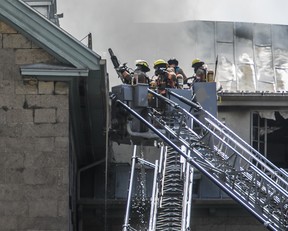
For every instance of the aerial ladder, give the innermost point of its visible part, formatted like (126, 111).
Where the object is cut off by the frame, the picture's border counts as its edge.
(218, 153)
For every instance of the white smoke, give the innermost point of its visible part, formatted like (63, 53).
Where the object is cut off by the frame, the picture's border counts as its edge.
(137, 29)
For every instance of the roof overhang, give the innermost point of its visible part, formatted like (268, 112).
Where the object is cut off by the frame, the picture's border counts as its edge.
(265, 99)
(47, 35)
(52, 72)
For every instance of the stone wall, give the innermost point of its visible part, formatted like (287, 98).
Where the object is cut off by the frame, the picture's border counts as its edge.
(34, 142)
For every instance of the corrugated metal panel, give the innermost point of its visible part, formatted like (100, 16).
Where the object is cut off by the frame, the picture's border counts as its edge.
(251, 57)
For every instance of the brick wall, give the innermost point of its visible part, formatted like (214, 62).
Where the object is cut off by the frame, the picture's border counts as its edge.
(33, 141)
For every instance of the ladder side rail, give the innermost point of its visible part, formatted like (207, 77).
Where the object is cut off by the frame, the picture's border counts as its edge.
(271, 170)
(236, 137)
(258, 172)
(249, 149)
(284, 172)
(246, 161)
(225, 187)
(279, 192)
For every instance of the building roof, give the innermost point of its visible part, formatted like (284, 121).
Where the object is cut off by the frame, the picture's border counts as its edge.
(48, 35)
(253, 99)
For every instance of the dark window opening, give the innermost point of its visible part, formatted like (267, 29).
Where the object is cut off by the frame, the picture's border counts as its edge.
(270, 137)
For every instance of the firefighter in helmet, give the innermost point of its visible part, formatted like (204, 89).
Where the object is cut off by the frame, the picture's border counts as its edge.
(140, 73)
(200, 70)
(180, 75)
(165, 78)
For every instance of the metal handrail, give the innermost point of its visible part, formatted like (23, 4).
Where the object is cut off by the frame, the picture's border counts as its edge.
(248, 149)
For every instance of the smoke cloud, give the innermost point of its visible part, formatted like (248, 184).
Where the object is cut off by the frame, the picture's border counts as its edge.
(150, 30)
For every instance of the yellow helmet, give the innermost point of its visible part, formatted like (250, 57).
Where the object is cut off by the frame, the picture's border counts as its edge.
(197, 62)
(143, 64)
(160, 63)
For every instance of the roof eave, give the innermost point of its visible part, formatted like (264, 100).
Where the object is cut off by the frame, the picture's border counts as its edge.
(253, 99)
(51, 73)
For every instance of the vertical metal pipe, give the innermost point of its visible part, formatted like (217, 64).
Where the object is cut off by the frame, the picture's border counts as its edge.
(185, 195)
(162, 173)
(191, 175)
(127, 214)
(153, 208)
(90, 41)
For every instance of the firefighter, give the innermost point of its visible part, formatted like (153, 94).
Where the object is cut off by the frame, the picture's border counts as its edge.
(180, 75)
(164, 78)
(140, 73)
(200, 70)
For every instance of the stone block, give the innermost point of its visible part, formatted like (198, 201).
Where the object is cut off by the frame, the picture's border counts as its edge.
(1, 38)
(15, 102)
(54, 159)
(62, 143)
(61, 88)
(8, 223)
(6, 29)
(27, 144)
(35, 158)
(44, 116)
(40, 176)
(14, 175)
(14, 208)
(14, 160)
(7, 87)
(2, 174)
(44, 144)
(63, 208)
(45, 88)
(7, 56)
(20, 116)
(63, 177)
(2, 210)
(8, 70)
(15, 41)
(11, 192)
(66, 176)
(45, 130)
(47, 101)
(34, 45)
(62, 115)
(3, 116)
(43, 208)
(10, 130)
(42, 223)
(28, 56)
(18, 144)
(26, 87)
(45, 192)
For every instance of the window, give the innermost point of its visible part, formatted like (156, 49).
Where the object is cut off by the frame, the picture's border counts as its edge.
(270, 136)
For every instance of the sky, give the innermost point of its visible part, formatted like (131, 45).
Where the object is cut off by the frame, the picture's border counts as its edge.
(119, 25)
